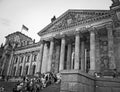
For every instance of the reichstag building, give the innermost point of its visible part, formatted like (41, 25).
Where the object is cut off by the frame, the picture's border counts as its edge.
(82, 45)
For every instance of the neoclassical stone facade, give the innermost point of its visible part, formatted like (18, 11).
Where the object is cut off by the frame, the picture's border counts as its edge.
(86, 40)
(78, 44)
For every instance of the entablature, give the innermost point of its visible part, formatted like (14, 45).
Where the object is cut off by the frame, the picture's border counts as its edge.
(73, 18)
(81, 28)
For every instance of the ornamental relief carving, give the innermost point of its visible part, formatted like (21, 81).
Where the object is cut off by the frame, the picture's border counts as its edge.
(104, 59)
(71, 19)
(116, 18)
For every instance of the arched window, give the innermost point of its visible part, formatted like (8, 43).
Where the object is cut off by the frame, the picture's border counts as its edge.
(14, 71)
(34, 67)
(20, 70)
(27, 70)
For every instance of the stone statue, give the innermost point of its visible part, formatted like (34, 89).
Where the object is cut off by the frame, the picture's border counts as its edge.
(115, 1)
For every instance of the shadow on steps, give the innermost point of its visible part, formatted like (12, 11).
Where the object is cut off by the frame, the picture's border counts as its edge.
(52, 88)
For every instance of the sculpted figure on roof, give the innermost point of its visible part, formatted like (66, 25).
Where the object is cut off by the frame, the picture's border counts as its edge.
(115, 1)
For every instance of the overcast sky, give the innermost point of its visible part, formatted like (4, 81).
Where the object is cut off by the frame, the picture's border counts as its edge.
(36, 14)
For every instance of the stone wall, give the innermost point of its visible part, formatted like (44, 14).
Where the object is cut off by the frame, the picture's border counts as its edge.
(107, 85)
(77, 81)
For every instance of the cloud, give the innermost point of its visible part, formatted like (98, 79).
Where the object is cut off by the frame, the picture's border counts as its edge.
(5, 22)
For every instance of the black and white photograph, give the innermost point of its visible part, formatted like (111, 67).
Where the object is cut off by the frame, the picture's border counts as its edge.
(59, 45)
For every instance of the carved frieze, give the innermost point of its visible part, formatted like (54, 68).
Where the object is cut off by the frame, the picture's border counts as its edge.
(116, 17)
(71, 19)
(74, 18)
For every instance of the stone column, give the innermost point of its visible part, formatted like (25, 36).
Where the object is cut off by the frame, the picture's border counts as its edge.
(69, 51)
(82, 56)
(92, 51)
(97, 53)
(40, 56)
(50, 54)
(10, 64)
(17, 67)
(112, 64)
(85, 60)
(57, 59)
(30, 66)
(45, 58)
(62, 54)
(23, 66)
(77, 51)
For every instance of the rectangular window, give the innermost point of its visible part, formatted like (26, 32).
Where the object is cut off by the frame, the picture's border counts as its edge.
(22, 59)
(16, 60)
(27, 59)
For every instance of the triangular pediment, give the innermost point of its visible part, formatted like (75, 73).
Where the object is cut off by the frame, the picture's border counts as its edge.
(72, 18)
(17, 37)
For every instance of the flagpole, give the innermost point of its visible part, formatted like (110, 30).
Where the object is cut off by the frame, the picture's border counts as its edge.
(21, 29)
(24, 28)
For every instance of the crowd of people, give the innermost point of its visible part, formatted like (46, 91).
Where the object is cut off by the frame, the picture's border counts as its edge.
(2, 89)
(38, 83)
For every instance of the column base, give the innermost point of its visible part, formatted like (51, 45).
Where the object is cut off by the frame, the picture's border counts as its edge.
(92, 72)
(109, 72)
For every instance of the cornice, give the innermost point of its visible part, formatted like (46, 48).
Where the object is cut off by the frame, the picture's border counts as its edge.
(92, 20)
(18, 33)
(26, 53)
(103, 14)
(28, 46)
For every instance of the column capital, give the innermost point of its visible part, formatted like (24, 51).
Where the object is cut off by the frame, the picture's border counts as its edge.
(41, 41)
(45, 42)
(93, 30)
(51, 39)
(109, 26)
(63, 36)
(77, 33)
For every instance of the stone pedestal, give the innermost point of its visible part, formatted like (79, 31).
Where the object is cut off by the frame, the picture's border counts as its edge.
(76, 81)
